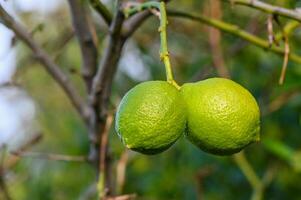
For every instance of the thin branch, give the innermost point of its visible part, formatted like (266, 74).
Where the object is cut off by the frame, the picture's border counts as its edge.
(88, 47)
(102, 11)
(103, 189)
(281, 100)
(250, 174)
(13, 159)
(235, 30)
(270, 29)
(247, 169)
(132, 24)
(268, 8)
(50, 156)
(120, 171)
(53, 69)
(123, 197)
(285, 60)
(62, 43)
(287, 29)
(111, 56)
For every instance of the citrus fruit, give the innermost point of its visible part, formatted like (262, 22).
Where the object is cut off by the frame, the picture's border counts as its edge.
(151, 117)
(222, 116)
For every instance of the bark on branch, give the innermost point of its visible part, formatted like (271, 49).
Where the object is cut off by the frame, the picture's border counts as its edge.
(102, 11)
(85, 38)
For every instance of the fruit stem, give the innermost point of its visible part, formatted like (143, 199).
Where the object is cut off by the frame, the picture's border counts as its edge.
(164, 54)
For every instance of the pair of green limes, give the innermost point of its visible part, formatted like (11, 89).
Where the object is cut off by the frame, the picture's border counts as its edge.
(217, 115)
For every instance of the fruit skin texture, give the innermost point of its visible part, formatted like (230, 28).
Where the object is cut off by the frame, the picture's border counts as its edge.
(222, 116)
(151, 117)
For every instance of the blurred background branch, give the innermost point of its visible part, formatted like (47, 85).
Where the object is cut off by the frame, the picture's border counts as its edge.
(235, 30)
(268, 8)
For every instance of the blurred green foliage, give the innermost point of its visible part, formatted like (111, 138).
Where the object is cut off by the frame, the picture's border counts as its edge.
(182, 172)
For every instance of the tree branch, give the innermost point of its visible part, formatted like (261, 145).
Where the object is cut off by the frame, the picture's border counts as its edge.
(102, 11)
(250, 174)
(102, 82)
(132, 24)
(108, 65)
(103, 182)
(53, 69)
(235, 30)
(84, 35)
(50, 156)
(123, 197)
(271, 9)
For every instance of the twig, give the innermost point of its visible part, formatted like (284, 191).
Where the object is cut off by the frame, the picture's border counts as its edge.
(132, 24)
(102, 184)
(88, 47)
(235, 30)
(285, 59)
(247, 169)
(271, 37)
(62, 43)
(287, 29)
(120, 171)
(123, 197)
(281, 100)
(53, 69)
(13, 159)
(271, 9)
(250, 174)
(50, 156)
(102, 11)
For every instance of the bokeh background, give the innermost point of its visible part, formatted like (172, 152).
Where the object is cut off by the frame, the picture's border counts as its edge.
(31, 103)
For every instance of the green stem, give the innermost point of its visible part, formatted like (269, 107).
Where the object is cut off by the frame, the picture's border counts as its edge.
(250, 174)
(102, 10)
(128, 12)
(164, 54)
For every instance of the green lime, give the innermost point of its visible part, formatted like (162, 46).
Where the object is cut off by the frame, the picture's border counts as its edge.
(222, 116)
(151, 117)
